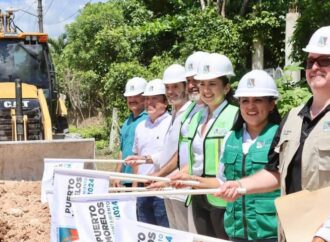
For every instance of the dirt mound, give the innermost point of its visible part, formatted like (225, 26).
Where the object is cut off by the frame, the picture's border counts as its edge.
(22, 216)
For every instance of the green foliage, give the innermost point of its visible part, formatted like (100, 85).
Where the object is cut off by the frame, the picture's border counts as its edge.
(99, 133)
(291, 94)
(314, 14)
(92, 131)
(111, 42)
(114, 85)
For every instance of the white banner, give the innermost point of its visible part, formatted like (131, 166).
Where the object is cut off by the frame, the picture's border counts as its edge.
(69, 182)
(143, 232)
(48, 175)
(95, 216)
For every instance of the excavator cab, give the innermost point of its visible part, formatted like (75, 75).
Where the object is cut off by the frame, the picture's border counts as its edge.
(30, 106)
(32, 112)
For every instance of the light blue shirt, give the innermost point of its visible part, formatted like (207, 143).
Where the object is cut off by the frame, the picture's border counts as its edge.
(127, 134)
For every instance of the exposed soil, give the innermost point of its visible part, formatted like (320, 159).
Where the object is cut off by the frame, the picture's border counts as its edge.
(22, 216)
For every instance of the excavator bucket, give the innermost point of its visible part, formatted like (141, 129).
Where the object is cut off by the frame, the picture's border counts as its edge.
(24, 160)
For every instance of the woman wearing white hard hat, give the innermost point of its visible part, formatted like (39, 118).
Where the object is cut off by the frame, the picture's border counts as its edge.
(252, 217)
(206, 132)
(245, 151)
(299, 157)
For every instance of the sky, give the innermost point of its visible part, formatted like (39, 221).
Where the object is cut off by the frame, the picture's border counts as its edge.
(57, 13)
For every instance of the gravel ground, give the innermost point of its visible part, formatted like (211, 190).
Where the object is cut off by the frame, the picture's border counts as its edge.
(22, 216)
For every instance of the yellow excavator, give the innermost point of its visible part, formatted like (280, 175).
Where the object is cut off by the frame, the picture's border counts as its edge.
(33, 115)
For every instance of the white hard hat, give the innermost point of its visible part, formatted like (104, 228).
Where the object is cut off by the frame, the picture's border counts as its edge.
(154, 87)
(174, 74)
(193, 62)
(256, 83)
(213, 66)
(135, 86)
(319, 42)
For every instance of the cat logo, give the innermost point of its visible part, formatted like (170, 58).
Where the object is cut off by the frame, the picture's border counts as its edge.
(322, 41)
(251, 83)
(131, 88)
(151, 88)
(190, 67)
(206, 69)
(12, 104)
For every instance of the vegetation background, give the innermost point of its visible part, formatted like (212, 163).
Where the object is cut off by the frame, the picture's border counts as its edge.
(111, 42)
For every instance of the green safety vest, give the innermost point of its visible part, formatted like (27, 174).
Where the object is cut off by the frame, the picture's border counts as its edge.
(252, 216)
(184, 139)
(212, 145)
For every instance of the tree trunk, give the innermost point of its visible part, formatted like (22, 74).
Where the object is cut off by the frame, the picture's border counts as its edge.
(223, 8)
(202, 4)
(244, 7)
(219, 2)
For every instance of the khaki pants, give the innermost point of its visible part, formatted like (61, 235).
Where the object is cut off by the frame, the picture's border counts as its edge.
(177, 214)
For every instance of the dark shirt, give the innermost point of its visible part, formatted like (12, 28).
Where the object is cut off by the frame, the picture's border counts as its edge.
(293, 179)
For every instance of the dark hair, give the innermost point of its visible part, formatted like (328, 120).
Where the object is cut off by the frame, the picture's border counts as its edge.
(230, 95)
(273, 117)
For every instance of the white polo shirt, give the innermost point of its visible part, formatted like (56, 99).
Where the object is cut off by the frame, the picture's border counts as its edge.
(198, 142)
(171, 142)
(149, 139)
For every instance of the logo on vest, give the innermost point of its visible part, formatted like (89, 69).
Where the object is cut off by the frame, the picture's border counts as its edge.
(286, 132)
(220, 132)
(326, 126)
(260, 144)
(251, 83)
(322, 41)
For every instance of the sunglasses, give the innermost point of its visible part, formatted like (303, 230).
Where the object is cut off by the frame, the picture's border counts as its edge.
(322, 61)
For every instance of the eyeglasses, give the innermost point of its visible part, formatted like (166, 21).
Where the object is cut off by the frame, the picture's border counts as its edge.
(322, 61)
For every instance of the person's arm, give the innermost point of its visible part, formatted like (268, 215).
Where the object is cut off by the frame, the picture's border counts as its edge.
(261, 182)
(323, 234)
(204, 182)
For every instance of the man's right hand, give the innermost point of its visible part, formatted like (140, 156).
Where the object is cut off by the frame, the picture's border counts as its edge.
(132, 160)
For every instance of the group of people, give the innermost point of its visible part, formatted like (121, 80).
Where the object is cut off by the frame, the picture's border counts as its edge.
(234, 141)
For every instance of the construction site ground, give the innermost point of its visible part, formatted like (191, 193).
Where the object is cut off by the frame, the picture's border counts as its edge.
(22, 216)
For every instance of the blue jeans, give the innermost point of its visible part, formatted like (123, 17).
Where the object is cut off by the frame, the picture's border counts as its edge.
(151, 210)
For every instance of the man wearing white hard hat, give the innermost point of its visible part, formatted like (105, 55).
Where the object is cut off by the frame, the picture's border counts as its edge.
(175, 206)
(135, 102)
(149, 140)
(301, 167)
(177, 96)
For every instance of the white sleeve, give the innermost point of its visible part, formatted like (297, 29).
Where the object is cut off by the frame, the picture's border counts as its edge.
(155, 158)
(221, 169)
(324, 231)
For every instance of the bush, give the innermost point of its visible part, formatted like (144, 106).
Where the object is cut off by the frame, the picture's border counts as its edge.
(99, 133)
